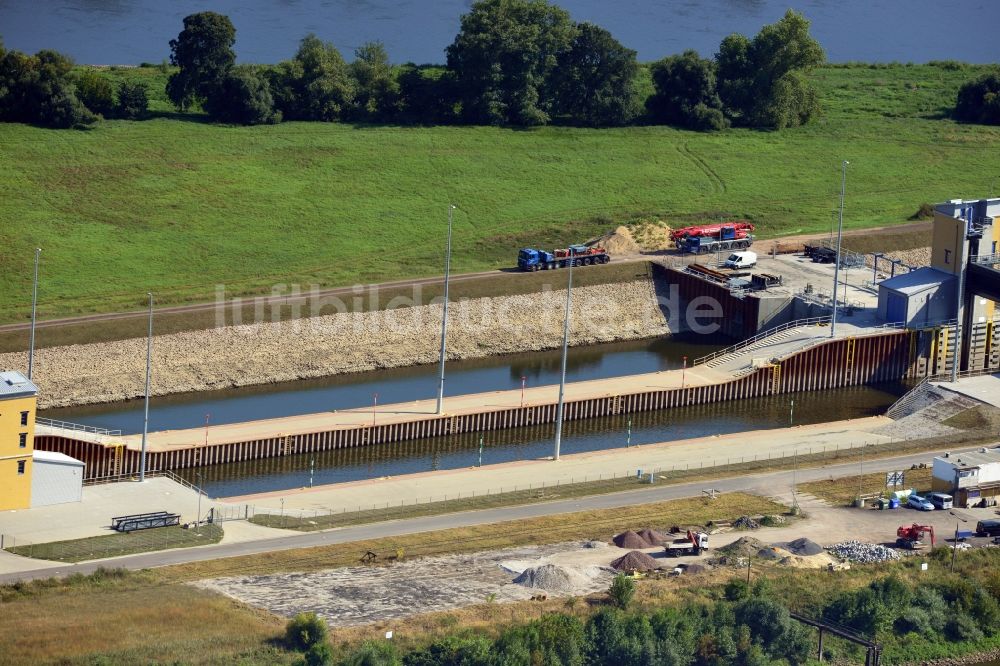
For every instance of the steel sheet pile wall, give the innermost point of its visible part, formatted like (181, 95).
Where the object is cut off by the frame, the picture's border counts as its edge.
(832, 364)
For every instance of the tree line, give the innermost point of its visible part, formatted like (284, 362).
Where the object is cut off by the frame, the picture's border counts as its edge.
(513, 63)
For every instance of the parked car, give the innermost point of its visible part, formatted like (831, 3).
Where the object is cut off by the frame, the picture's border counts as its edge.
(918, 502)
(940, 500)
(988, 528)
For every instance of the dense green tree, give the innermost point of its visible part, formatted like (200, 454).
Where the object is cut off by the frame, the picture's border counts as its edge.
(426, 95)
(979, 100)
(376, 91)
(685, 93)
(594, 82)
(453, 651)
(133, 100)
(204, 53)
(38, 89)
(96, 93)
(555, 639)
(243, 97)
(503, 57)
(761, 81)
(315, 84)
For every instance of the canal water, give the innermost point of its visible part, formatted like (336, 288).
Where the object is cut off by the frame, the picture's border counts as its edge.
(498, 373)
(134, 31)
(463, 450)
(489, 374)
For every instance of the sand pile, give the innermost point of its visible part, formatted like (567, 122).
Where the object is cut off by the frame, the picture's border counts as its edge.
(618, 242)
(630, 539)
(635, 561)
(652, 537)
(802, 547)
(553, 578)
(652, 237)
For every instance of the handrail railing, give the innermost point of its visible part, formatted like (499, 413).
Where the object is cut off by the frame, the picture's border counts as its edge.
(117, 478)
(911, 395)
(760, 336)
(77, 427)
(985, 258)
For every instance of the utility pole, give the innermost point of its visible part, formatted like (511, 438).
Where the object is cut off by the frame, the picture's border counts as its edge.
(565, 351)
(861, 475)
(444, 317)
(34, 314)
(145, 417)
(840, 238)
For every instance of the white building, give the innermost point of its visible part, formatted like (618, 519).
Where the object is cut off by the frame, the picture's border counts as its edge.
(56, 478)
(969, 477)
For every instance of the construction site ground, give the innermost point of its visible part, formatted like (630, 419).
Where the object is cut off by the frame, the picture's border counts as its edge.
(350, 596)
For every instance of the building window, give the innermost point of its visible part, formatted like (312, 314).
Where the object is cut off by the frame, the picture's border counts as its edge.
(23, 442)
(24, 418)
(20, 466)
(947, 256)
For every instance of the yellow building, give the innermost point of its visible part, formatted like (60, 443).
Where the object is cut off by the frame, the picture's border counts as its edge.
(17, 432)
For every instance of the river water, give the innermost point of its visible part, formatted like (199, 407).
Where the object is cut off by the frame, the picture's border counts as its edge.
(134, 31)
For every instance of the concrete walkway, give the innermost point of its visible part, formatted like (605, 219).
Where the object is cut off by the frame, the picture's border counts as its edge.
(985, 388)
(92, 516)
(691, 453)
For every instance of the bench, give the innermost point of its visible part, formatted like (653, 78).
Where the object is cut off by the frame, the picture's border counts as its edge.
(144, 521)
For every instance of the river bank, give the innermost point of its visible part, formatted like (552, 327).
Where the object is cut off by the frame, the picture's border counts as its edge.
(350, 342)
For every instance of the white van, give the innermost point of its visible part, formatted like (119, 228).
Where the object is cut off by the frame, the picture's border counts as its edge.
(940, 500)
(742, 260)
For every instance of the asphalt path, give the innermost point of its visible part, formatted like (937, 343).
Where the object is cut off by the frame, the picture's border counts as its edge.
(771, 483)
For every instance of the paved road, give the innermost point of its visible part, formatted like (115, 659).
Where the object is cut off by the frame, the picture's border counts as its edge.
(770, 484)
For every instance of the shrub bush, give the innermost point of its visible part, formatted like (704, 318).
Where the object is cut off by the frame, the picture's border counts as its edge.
(304, 631)
(621, 591)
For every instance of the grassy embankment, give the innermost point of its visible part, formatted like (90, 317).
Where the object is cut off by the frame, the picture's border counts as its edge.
(117, 545)
(176, 206)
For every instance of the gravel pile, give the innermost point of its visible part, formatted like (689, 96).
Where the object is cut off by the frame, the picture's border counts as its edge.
(630, 539)
(635, 561)
(743, 547)
(653, 537)
(617, 242)
(863, 553)
(745, 523)
(265, 353)
(918, 256)
(802, 547)
(553, 578)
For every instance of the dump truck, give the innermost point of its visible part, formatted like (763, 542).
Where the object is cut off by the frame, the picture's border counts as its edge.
(726, 238)
(531, 259)
(692, 544)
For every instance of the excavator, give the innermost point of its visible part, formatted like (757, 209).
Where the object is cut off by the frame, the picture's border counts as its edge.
(909, 536)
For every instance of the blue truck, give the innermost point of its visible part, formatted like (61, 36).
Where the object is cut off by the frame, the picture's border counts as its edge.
(727, 238)
(530, 259)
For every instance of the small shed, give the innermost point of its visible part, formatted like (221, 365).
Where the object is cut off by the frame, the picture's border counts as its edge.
(56, 478)
(918, 298)
(969, 476)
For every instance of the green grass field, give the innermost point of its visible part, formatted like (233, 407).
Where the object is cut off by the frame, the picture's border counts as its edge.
(176, 206)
